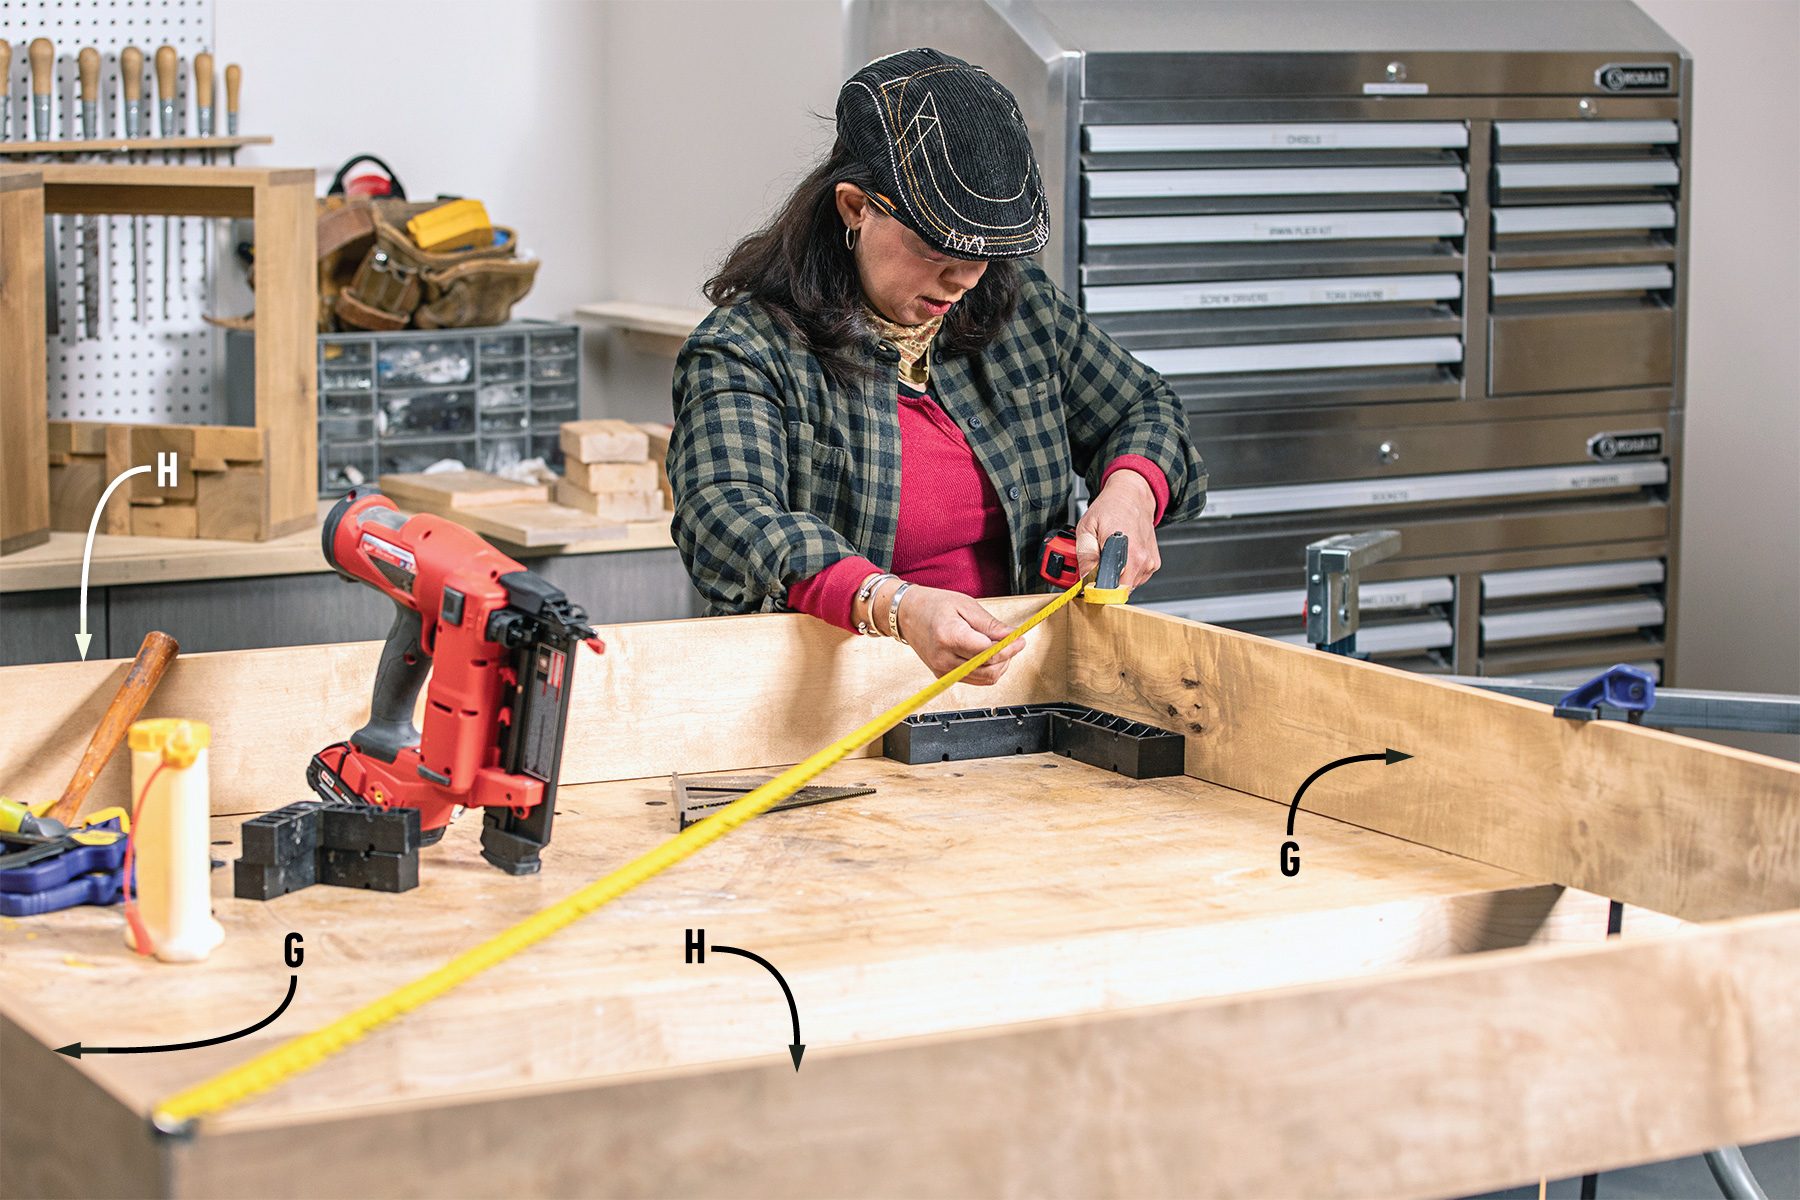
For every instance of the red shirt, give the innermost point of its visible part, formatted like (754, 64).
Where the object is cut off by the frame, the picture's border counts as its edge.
(952, 532)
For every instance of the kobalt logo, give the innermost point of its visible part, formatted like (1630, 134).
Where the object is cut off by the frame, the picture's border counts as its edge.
(1639, 443)
(1633, 77)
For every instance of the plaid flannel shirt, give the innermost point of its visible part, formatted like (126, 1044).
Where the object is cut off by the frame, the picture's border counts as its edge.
(778, 471)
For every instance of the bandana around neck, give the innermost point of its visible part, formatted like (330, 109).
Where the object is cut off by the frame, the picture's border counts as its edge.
(912, 341)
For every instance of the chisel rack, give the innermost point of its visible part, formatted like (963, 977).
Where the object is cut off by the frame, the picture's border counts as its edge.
(280, 203)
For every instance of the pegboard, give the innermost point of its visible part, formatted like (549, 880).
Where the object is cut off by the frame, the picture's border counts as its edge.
(152, 361)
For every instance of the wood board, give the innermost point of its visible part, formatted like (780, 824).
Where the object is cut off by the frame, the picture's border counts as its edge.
(1645, 816)
(663, 698)
(24, 485)
(465, 497)
(1425, 1078)
(460, 490)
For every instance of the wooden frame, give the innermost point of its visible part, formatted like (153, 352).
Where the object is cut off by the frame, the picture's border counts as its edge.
(1021, 976)
(280, 201)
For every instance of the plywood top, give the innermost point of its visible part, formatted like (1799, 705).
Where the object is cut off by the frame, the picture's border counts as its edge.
(127, 560)
(961, 896)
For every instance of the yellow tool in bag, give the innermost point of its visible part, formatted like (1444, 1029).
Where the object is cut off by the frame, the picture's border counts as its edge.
(452, 226)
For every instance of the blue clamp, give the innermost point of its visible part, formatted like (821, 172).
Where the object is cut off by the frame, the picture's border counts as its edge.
(1619, 686)
(63, 872)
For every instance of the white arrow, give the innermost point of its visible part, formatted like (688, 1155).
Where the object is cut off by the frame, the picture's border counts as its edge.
(84, 637)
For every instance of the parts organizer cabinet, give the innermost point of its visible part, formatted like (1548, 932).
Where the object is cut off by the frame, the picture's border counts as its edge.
(391, 403)
(1024, 975)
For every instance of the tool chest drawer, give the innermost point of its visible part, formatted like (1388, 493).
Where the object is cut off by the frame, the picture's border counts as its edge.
(1318, 258)
(1279, 451)
(1575, 615)
(1406, 622)
(1571, 346)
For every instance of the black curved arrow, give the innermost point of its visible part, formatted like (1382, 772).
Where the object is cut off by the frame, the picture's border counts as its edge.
(798, 1047)
(76, 1049)
(1390, 757)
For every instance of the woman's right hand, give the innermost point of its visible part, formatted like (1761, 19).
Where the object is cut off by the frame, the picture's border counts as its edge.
(947, 629)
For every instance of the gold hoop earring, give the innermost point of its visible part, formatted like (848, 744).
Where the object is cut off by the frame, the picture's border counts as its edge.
(850, 232)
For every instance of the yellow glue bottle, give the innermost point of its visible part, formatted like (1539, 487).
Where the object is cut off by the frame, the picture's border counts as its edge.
(173, 863)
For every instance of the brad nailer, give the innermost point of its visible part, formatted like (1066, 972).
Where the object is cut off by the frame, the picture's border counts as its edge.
(498, 643)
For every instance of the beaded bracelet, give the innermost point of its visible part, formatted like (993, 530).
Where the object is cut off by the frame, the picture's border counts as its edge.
(894, 615)
(863, 593)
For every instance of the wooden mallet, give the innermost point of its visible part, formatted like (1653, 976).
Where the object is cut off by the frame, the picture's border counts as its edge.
(153, 658)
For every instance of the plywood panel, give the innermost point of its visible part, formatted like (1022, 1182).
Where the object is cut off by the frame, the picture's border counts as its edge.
(1440, 1080)
(1667, 822)
(717, 694)
(1135, 894)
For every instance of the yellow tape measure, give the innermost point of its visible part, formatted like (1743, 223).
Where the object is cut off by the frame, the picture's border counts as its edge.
(303, 1053)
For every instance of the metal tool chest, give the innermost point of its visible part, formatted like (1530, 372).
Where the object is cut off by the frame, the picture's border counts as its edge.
(1409, 266)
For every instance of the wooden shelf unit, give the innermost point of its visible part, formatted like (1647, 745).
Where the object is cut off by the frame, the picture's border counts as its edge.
(280, 202)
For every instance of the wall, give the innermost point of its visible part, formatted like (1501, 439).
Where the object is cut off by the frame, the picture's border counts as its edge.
(709, 107)
(1740, 553)
(500, 101)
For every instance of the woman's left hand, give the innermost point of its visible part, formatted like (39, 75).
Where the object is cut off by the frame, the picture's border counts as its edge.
(1125, 505)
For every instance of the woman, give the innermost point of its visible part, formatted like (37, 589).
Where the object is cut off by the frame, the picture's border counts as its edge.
(886, 412)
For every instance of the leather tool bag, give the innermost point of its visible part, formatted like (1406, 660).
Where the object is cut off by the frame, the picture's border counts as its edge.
(396, 284)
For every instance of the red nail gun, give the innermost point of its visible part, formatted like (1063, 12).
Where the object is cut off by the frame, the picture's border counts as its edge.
(498, 642)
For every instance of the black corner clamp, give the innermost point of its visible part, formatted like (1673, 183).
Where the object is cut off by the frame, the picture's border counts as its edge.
(1113, 743)
(343, 845)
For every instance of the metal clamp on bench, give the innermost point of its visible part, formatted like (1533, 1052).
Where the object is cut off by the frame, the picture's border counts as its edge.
(1333, 569)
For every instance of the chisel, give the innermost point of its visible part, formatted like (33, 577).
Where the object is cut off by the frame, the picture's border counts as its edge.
(131, 82)
(88, 67)
(203, 126)
(43, 81)
(234, 82)
(168, 66)
(5, 88)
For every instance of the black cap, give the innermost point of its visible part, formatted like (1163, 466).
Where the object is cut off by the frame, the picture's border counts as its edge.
(949, 152)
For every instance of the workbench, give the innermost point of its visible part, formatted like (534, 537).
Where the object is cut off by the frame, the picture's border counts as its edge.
(1021, 975)
(230, 595)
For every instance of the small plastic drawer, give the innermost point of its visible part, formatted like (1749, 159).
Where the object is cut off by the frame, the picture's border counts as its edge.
(547, 446)
(345, 379)
(346, 404)
(501, 345)
(346, 429)
(497, 454)
(563, 341)
(426, 362)
(397, 457)
(553, 395)
(553, 368)
(344, 465)
(345, 354)
(500, 395)
(502, 421)
(411, 414)
(503, 370)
